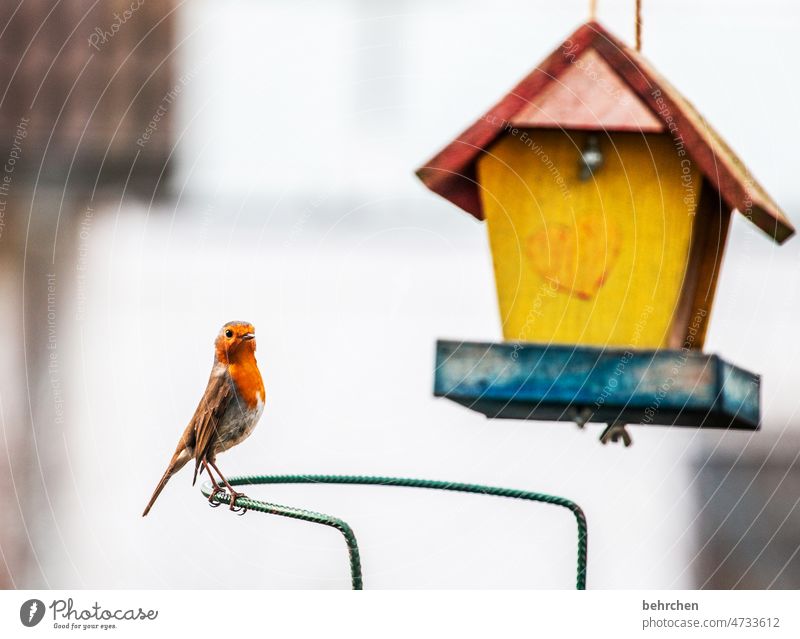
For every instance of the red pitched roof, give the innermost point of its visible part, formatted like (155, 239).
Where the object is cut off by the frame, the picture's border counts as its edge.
(451, 173)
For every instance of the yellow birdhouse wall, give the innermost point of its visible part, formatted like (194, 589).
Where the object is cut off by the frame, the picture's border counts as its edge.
(598, 262)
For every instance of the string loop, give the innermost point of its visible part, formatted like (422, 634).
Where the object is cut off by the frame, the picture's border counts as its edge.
(637, 20)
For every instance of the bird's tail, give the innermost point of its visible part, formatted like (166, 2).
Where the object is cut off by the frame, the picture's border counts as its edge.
(177, 462)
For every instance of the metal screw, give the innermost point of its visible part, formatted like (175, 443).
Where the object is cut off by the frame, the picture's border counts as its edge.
(591, 159)
(580, 417)
(614, 432)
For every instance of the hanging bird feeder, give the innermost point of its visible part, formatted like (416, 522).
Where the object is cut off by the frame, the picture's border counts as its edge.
(607, 199)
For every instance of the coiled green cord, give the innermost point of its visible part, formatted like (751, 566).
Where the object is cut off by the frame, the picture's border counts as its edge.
(349, 535)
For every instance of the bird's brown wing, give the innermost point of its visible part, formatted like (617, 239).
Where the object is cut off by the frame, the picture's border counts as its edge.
(206, 418)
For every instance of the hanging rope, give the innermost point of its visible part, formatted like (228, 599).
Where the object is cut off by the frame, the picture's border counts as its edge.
(638, 25)
(349, 535)
(592, 9)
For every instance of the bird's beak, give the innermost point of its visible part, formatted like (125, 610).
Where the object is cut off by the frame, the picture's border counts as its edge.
(248, 336)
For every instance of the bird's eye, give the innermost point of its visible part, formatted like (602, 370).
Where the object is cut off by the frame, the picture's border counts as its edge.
(229, 333)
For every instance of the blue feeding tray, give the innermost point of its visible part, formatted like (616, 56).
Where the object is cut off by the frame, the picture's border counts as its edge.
(553, 382)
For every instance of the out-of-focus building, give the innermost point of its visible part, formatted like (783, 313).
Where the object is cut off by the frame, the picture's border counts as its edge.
(81, 85)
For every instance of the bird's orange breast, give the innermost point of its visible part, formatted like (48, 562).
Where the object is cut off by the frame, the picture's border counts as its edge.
(247, 378)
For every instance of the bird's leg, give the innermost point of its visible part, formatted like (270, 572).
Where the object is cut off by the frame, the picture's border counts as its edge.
(234, 494)
(216, 488)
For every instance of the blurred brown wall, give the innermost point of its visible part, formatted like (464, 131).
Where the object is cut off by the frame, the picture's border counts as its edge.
(84, 112)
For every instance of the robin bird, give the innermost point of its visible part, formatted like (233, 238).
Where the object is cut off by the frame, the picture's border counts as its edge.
(227, 414)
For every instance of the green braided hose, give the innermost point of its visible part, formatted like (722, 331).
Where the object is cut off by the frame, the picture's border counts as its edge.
(349, 535)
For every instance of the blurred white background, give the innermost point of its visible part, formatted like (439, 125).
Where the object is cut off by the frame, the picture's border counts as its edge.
(294, 206)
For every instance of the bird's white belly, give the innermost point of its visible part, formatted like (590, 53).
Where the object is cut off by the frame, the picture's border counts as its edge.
(237, 425)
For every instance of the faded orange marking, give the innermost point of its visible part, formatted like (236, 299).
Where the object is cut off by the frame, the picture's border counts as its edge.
(577, 259)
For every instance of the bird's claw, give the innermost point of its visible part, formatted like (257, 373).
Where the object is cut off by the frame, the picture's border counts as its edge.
(239, 510)
(211, 498)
